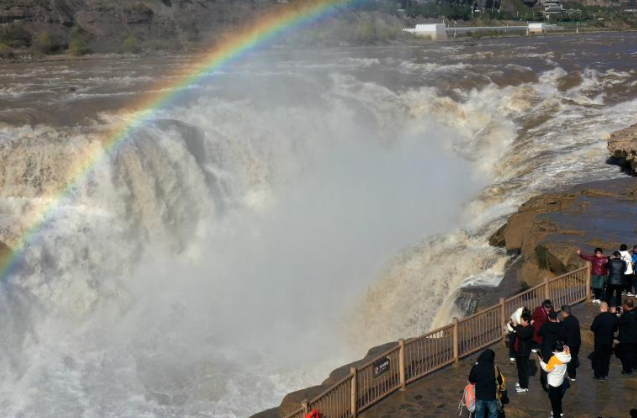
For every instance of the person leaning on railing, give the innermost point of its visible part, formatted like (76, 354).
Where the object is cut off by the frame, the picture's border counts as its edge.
(598, 272)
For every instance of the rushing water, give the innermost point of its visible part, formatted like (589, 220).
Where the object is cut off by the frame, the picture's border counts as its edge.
(283, 216)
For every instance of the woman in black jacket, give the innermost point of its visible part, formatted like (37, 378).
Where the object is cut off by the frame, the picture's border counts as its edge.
(522, 347)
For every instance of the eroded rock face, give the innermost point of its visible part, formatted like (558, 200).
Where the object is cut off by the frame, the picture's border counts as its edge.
(623, 145)
(105, 24)
(548, 229)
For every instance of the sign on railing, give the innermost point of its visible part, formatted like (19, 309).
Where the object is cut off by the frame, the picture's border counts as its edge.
(418, 357)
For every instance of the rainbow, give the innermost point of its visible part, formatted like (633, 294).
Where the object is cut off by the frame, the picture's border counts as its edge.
(265, 29)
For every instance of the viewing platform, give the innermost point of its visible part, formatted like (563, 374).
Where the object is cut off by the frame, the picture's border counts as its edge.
(438, 394)
(425, 376)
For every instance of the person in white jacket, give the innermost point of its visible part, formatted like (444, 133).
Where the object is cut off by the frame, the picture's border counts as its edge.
(556, 370)
(628, 274)
(515, 321)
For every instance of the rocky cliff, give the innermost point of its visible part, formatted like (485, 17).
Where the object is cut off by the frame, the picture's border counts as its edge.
(124, 25)
(548, 229)
(623, 146)
(105, 24)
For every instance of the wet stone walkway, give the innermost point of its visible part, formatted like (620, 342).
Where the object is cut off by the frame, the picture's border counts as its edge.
(438, 395)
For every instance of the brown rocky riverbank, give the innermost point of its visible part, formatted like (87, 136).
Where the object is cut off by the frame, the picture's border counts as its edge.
(548, 228)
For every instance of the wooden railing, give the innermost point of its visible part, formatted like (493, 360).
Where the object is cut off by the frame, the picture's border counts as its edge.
(412, 359)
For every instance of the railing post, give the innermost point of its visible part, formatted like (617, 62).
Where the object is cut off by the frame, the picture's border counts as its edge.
(456, 348)
(401, 363)
(589, 267)
(305, 406)
(547, 294)
(354, 392)
(504, 319)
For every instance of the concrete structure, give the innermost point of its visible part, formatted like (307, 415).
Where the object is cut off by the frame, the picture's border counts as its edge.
(432, 30)
(536, 27)
(441, 30)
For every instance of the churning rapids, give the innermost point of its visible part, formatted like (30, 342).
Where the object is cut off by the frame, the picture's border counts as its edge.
(281, 218)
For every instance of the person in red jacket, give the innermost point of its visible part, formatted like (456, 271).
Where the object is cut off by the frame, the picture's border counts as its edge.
(538, 318)
(598, 272)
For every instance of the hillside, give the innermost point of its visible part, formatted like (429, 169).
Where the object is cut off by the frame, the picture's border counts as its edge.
(50, 26)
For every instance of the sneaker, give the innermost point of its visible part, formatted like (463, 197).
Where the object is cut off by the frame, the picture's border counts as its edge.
(521, 390)
(534, 350)
(572, 379)
(628, 374)
(517, 385)
(512, 359)
(630, 294)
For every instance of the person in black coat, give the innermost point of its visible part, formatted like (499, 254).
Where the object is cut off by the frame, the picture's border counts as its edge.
(484, 375)
(550, 333)
(616, 269)
(604, 326)
(628, 336)
(571, 335)
(523, 344)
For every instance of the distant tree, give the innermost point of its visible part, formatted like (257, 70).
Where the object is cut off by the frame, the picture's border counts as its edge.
(131, 45)
(15, 36)
(78, 47)
(43, 43)
(78, 44)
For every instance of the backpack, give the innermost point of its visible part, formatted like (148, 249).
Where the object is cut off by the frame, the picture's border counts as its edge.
(468, 400)
(501, 389)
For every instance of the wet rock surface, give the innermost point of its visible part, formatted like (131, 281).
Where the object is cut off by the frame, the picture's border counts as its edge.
(549, 228)
(622, 145)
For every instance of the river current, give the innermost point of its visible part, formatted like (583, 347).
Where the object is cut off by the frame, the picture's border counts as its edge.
(284, 215)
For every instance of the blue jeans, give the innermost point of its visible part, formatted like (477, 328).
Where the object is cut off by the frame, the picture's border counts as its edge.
(491, 406)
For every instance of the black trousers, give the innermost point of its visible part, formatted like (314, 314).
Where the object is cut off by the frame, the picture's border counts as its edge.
(511, 344)
(523, 371)
(544, 380)
(627, 356)
(571, 366)
(597, 293)
(602, 359)
(617, 290)
(555, 396)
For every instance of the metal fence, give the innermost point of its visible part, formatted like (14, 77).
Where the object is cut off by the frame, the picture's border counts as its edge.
(417, 357)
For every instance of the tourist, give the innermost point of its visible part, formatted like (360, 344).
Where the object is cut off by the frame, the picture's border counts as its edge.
(570, 334)
(484, 374)
(514, 321)
(627, 336)
(539, 317)
(556, 370)
(550, 333)
(616, 269)
(634, 261)
(598, 272)
(628, 274)
(523, 340)
(604, 326)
